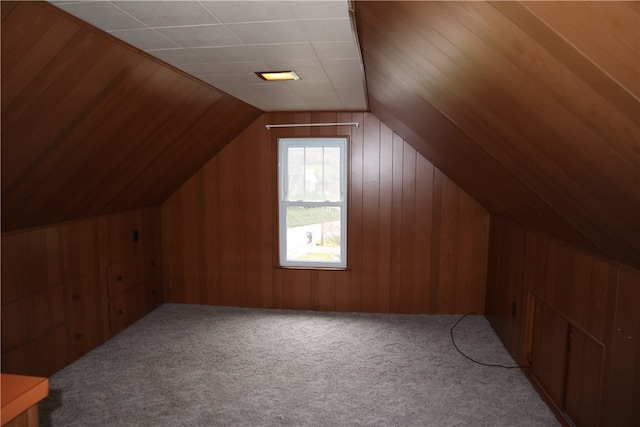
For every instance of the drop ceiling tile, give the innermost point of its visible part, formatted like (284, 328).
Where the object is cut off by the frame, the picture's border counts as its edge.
(341, 67)
(236, 82)
(269, 32)
(212, 68)
(312, 73)
(357, 103)
(225, 53)
(323, 92)
(168, 13)
(175, 56)
(202, 68)
(319, 9)
(145, 39)
(272, 97)
(250, 11)
(285, 52)
(272, 88)
(328, 30)
(200, 36)
(335, 50)
(103, 15)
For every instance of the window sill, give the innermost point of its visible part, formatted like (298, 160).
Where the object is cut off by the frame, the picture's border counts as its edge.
(280, 267)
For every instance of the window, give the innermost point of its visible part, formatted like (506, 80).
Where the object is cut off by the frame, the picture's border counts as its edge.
(313, 202)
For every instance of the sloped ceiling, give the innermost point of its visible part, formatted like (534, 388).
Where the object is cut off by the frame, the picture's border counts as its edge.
(533, 108)
(91, 126)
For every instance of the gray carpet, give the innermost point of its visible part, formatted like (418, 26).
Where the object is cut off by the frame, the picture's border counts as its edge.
(189, 365)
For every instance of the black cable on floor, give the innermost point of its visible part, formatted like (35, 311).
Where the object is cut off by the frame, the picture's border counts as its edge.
(475, 361)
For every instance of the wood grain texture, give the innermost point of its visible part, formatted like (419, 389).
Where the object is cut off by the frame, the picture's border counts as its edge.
(598, 299)
(57, 285)
(532, 108)
(623, 382)
(584, 379)
(392, 264)
(506, 297)
(91, 126)
(549, 359)
(605, 32)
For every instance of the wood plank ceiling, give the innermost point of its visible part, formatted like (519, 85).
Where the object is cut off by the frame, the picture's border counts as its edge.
(92, 126)
(533, 108)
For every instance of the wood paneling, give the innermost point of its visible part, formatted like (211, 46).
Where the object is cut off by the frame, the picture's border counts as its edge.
(417, 243)
(506, 297)
(532, 108)
(584, 379)
(623, 386)
(604, 32)
(550, 352)
(576, 284)
(57, 281)
(91, 126)
(572, 291)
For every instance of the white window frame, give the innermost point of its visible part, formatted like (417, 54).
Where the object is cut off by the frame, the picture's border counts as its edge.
(283, 145)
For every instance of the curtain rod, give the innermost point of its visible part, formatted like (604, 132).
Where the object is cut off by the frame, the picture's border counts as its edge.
(294, 125)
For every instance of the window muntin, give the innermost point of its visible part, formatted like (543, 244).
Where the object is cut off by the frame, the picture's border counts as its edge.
(313, 199)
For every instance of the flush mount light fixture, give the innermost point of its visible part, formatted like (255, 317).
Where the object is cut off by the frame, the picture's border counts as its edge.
(278, 75)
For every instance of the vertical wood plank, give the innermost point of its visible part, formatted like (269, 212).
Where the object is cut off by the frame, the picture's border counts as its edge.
(407, 280)
(385, 217)
(238, 246)
(301, 280)
(13, 285)
(396, 223)
(326, 282)
(252, 244)
(355, 215)
(200, 236)
(436, 236)
(422, 253)
(448, 259)
(623, 388)
(584, 379)
(465, 283)
(213, 233)
(289, 288)
(189, 226)
(370, 217)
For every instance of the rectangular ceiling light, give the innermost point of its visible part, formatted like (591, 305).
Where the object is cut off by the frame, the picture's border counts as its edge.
(278, 75)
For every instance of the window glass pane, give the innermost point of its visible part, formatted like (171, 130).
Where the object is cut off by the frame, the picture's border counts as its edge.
(332, 174)
(313, 174)
(313, 233)
(296, 174)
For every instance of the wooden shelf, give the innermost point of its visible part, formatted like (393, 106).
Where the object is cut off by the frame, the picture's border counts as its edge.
(20, 393)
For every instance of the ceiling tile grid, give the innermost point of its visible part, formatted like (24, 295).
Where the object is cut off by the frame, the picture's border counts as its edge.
(223, 43)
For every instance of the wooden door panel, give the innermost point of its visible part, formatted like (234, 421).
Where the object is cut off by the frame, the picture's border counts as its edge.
(550, 351)
(127, 308)
(622, 407)
(85, 334)
(126, 274)
(584, 379)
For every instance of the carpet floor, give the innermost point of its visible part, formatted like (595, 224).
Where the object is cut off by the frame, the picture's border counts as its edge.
(191, 365)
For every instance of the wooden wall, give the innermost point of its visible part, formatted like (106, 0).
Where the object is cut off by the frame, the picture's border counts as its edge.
(576, 321)
(69, 287)
(533, 108)
(93, 126)
(416, 241)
